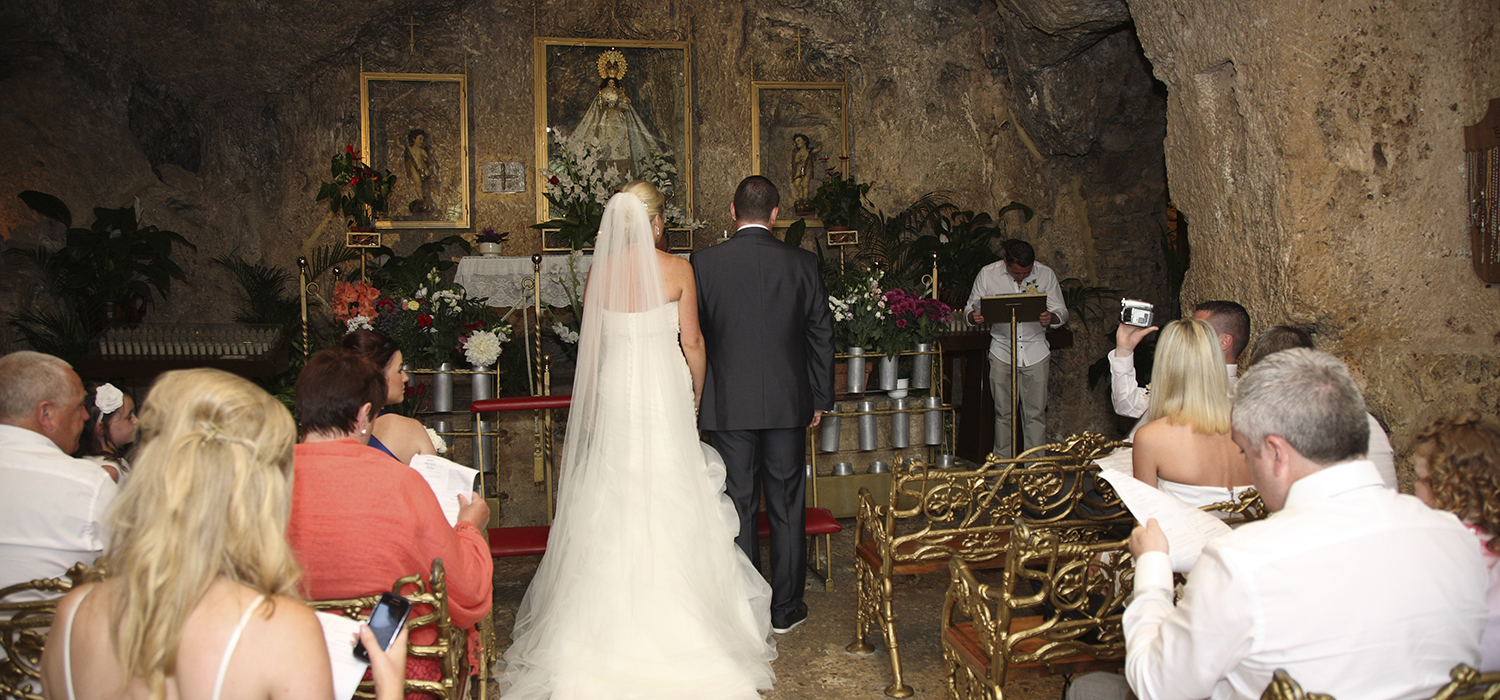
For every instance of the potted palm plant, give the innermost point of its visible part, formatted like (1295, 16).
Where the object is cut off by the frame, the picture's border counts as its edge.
(103, 274)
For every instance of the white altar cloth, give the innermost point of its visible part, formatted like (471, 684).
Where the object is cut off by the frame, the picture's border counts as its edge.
(498, 280)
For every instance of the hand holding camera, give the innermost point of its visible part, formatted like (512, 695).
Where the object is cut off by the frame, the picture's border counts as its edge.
(1135, 325)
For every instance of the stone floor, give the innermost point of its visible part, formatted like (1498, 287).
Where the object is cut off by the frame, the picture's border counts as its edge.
(813, 663)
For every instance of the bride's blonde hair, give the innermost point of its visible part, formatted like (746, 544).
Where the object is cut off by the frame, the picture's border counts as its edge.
(209, 498)
(649, 195)
(1188, 384)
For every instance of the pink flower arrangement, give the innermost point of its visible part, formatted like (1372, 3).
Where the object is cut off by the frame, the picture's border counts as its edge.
(915, 319)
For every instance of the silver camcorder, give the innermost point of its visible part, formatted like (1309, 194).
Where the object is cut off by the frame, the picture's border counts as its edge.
(1136, 313)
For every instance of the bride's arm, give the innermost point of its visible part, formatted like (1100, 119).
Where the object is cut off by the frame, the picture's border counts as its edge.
(691, 335)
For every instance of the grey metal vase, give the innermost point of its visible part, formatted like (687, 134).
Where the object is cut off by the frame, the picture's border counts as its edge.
(483, 387)
(857, 371)
(900, 425)
(869, 427)
(828, 439)
(921, 367)
(888, 371)
(934, 420)
(442, 394)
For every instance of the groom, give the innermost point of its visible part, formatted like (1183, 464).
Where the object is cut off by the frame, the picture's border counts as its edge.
(765, 319)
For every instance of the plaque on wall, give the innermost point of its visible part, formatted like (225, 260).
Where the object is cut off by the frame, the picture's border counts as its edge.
(1482, 153)
(502, 178)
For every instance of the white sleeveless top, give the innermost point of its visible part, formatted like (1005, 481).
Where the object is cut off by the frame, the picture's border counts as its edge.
(234, 640)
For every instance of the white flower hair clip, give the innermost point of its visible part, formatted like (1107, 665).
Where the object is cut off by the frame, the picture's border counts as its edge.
(108, 399)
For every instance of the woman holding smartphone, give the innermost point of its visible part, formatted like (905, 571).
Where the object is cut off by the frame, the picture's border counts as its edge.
(200, 597)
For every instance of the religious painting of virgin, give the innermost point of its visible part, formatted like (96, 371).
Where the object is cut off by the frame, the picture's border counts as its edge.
(798, 131)
(609, 111)
(416, 125)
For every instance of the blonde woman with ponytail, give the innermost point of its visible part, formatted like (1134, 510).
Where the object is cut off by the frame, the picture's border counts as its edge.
(200, 599)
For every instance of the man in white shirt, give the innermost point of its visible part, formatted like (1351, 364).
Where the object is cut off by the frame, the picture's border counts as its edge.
(52, 506)
(1230, 321)
(1019, 273)
(1355, 590)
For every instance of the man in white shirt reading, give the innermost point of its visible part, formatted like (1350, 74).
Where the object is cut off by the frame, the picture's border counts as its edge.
(52, 506)
(1230, 321)
(1355, 590)
(1019, 273)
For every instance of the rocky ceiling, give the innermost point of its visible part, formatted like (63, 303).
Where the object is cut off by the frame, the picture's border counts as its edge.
(214, 53)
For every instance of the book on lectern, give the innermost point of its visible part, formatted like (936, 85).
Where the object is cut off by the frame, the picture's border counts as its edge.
(1028, 307)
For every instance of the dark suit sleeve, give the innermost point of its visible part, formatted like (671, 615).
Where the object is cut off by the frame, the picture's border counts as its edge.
(820, 345)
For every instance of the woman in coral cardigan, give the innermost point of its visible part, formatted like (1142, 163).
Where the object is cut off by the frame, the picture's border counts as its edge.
(360, 519)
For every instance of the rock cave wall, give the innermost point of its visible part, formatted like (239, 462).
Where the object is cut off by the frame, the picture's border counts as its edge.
(221, 118)
(1317, 153)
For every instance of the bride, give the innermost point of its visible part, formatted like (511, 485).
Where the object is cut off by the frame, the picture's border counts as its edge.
(642, 592)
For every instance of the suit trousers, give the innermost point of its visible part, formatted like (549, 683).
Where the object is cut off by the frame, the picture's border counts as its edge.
(773, 459)
(1032, 393)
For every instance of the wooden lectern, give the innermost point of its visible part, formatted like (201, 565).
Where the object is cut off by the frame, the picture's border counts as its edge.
(1016, 308)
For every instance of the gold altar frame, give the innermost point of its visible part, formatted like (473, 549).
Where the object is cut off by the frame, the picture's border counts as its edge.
(561, 63)
(772, 123)
(383, 128)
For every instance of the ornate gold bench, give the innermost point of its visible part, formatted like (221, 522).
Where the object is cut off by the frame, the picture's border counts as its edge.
(23, 631)
(1059, 608)
(450, 649)
(933, 515)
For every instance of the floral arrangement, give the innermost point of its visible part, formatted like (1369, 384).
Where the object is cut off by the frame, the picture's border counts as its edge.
(429, 325)
(912, 320)
(859, 319)
(578, 188)
(482, 348)
(488, 235)
(352, 300)
(357, 191)
(438, 445)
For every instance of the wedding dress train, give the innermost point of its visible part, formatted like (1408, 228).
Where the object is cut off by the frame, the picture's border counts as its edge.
(642, 592)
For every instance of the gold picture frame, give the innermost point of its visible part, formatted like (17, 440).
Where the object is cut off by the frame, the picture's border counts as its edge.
(782, 110)
(655, 79)
(416, 125)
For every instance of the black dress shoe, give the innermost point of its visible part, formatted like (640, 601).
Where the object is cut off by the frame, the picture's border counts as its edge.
(790, 622)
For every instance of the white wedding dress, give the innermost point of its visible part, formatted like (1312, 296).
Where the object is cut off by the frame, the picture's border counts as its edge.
(642, 592)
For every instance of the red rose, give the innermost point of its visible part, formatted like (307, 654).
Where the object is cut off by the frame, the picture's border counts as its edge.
(554, 180)
(424, 320)
(417, 390)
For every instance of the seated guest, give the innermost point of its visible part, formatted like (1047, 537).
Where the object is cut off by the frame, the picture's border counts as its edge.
(201, 587)
(109, 430)
(1231, 324)
(1184, 449)
(53, 506)
(1457, 461)
(1278, 338)
(360, 519)
(392, 433)
(1355, 590)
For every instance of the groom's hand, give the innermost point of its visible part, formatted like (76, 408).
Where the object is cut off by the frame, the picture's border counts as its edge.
(817, 418)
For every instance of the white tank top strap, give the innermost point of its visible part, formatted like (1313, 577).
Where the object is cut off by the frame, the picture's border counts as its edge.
(67, 644)
(234, 640)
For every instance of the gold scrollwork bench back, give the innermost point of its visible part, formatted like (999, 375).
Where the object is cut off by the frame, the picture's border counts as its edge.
(1059, 608)
(449, 649)
(933, 515)
(24, 621)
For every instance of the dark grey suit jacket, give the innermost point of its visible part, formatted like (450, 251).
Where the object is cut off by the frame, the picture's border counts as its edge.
(764, 313)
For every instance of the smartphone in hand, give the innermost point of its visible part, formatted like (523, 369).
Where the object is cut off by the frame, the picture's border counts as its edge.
(385, 622)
